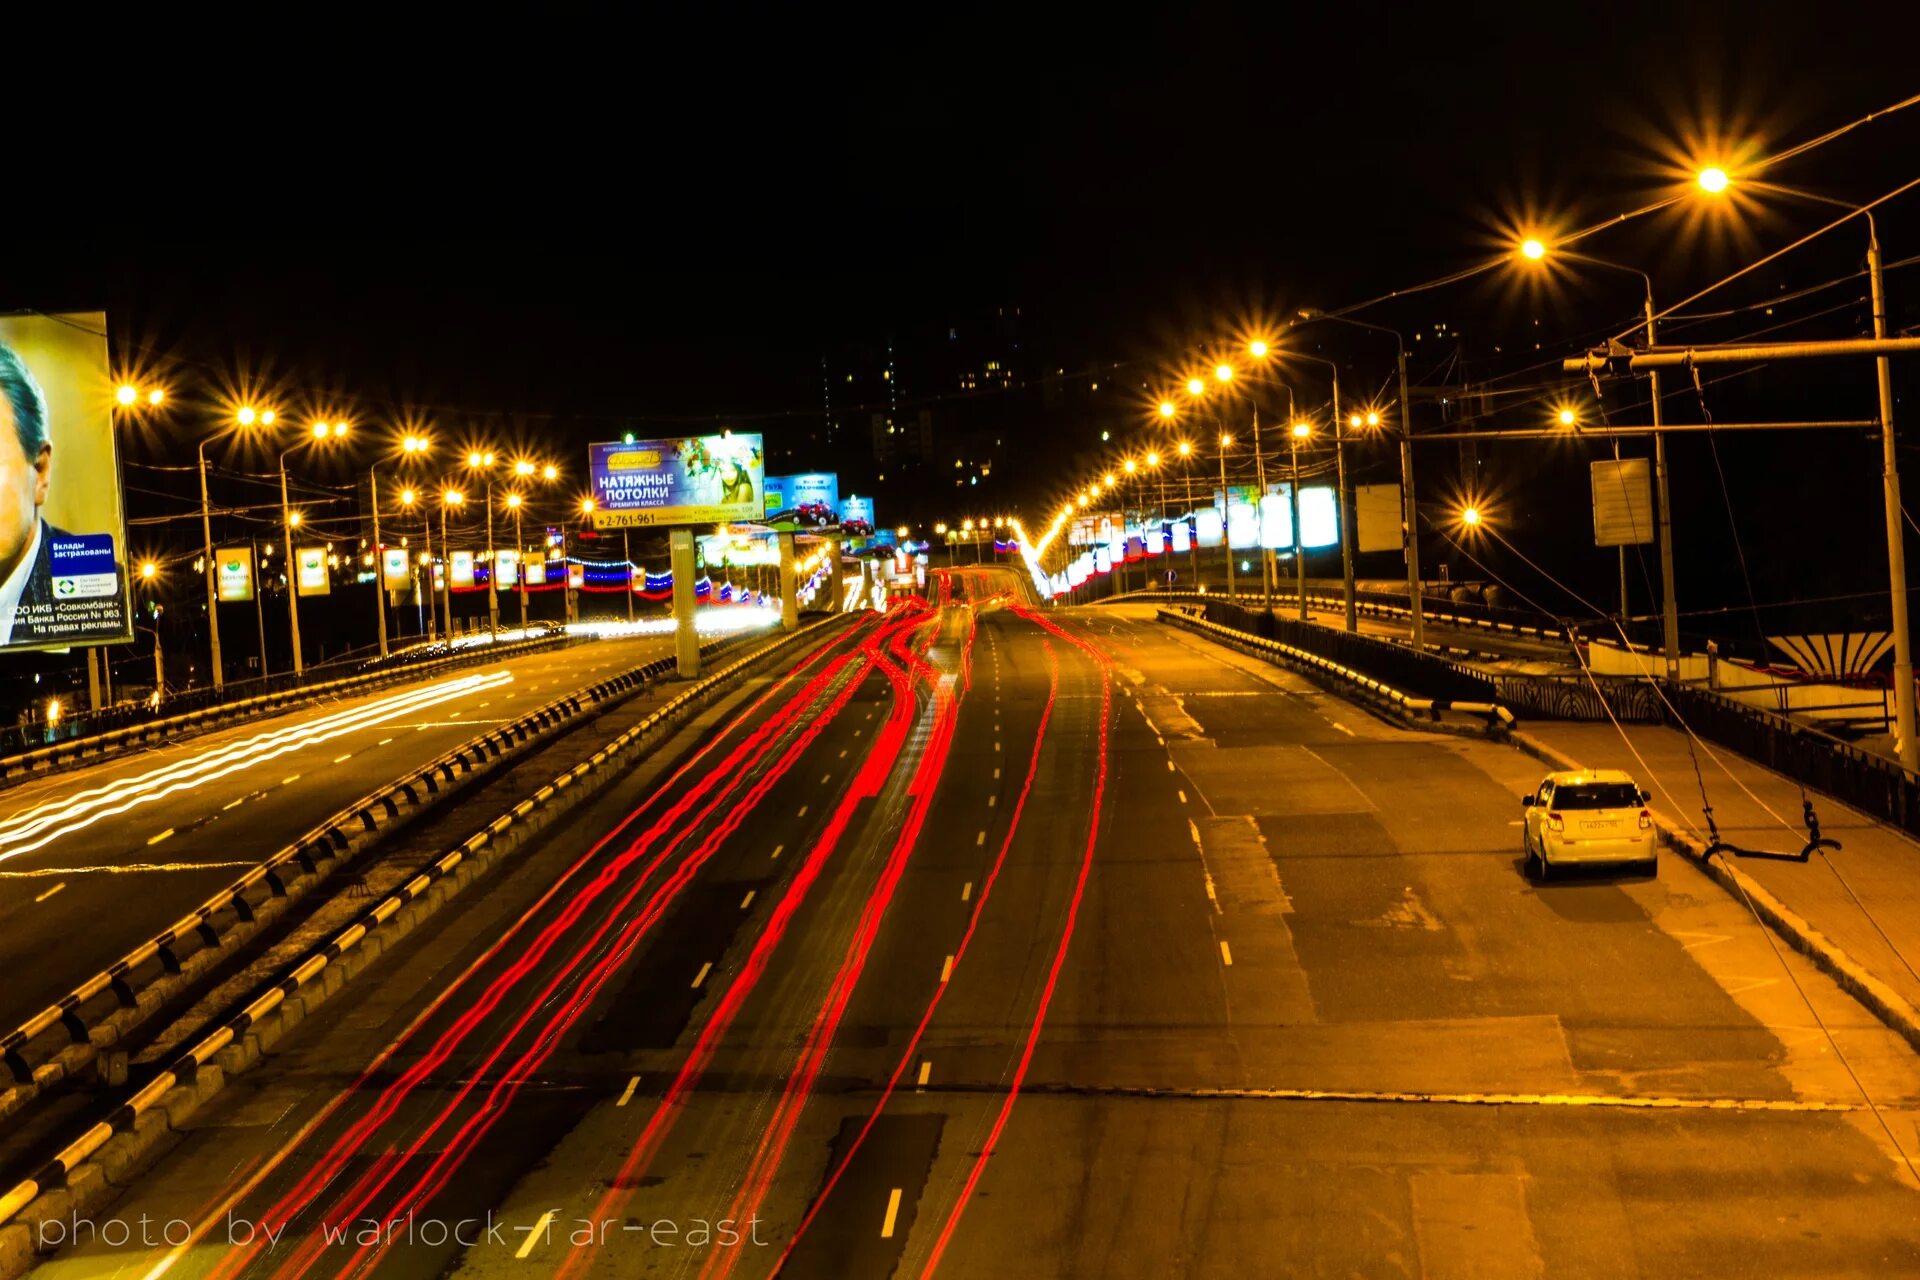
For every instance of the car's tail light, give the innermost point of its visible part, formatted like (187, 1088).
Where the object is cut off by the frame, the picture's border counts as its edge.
(1646, 820)
(1555, 822)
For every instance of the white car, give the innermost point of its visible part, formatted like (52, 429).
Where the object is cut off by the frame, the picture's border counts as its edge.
(1599, 816)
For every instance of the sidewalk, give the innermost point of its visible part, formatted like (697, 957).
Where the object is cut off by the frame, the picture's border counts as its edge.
(1876, 926)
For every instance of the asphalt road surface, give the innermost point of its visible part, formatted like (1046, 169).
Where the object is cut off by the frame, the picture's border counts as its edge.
(996, 943)
(95, 861)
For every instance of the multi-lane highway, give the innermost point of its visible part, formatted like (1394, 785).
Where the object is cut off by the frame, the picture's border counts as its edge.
(992, 942)
(95, 861)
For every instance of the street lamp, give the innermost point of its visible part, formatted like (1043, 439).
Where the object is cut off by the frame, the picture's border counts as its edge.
(1226, 523)
(1350, 607)
(412, 445)
(1301, 432)
(291, 521)
(479, 460)
(448, 498)
(1415, 594)
(246, 416)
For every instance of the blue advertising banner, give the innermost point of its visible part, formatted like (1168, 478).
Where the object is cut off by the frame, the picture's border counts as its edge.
(810, 500)
(696, 480)
(856, 514)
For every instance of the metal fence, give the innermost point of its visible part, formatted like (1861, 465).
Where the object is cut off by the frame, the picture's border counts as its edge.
(1423, 674)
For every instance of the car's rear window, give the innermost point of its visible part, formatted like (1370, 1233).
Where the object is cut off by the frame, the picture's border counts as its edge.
(1597, 795)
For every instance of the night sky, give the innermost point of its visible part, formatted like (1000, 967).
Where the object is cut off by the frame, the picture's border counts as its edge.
(567, 225)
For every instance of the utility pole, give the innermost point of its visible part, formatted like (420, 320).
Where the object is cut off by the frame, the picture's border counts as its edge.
(379, 560)
(1903, 690)
(213, 571)
(1415, 601)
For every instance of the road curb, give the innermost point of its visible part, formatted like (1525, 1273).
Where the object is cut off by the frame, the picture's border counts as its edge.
(116, 1151)
(1876, 996)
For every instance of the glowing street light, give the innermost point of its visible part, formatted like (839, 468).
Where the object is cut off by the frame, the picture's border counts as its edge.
(156, 397)
(513, 502)
(127, 394)
(1301, 430)
(1196, 387)
(1532, 249)
(1224, 372)
(1567, 418)
(1257, 349)
(413, 444)
(246, 417)
(1713, 181)
(1186, 448)
(587, 506)
(1166, 408)
(524, 467)
(1128, 466)
(1470, 516)
(550, 473)
(149, 570)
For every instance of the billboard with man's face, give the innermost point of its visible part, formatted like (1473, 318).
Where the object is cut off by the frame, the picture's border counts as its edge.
(63, 534)
(698, 480)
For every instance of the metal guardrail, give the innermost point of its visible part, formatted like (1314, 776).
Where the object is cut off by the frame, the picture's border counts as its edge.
(198, 938)
(94, 747)
(1368, 604)
(1424, 674)
(1496, 716)
(1871, 783)
(185, 1070)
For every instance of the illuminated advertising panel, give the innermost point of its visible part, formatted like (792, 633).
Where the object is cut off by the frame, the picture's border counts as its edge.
(1243, 526)
(1622, 502)
(1208, 526)
(395, 571)
(1319, 517)
(536, 573)
(695, 480)
(233, 573)
(462, 565)
(506, 567)
(310, 569)
(63, 534)
(856, 512)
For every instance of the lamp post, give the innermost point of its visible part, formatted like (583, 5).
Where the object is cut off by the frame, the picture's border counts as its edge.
(1415, 594)
(448, 498)
(1301, 431)
(290, 520)
(246, 416)
(1715, 182)
(482, 460)
(1349, 606)
(1226, 524)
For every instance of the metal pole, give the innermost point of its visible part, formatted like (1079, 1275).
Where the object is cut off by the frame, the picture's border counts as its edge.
(626, 549)
(1346, 530)
(493, 571)
(379, 559)
(1415, 602)
(260, 608)
(159, 669)
(293, 573)
(1299, 546)
(1226, 525)
(520, 569)
(1259, 513)
(433, 606)
(93, 679)
(1193, 542)
(446, 576)
(1903, 690)
(213, 575)
(1663, 519)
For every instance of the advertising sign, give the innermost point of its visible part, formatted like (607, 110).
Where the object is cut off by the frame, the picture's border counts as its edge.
(395, 570)
(856, 513)
(576, 576)
(312, 571)
(1377, 521)
(1208, 527)
(810, 500)
(696, 480)
(536, 573)
(1243, 526)
(506, 567)
(233, 573)
(63, 534)
(1319, 516)
(462, 568)
(1622, 503)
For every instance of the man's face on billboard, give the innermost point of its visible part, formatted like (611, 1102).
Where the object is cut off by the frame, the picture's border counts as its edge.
(23, 487)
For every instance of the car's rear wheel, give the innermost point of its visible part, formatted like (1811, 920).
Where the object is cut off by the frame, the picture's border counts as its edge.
(1536, 865)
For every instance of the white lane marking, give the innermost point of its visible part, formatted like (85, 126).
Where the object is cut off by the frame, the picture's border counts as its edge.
(289, 779)
(455, 715)
(843, 754)
(533, 1234)
(626, 1094)
(827, 777)
(1182, 795)
(383, 742)
(946, 969)
(966, 892)
(49, 893)
(980, 839)
(777, 848)
(992, 801)
(926, 1070)
(162, 836)
(1169, 766)
(803, 812)
(233, 804)
(1226, 954)
(893, 1214)
(748, 900)
(996, 773)
(343, 759)
(1342, 728)
(701, 976)
(996, 746)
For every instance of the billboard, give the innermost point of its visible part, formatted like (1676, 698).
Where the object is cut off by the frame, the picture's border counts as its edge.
(856, 512)
(695, 480)
(1379, 524)
(506, 568)
(395, 571)
(63, 533)
(536, 572)
(810, 500)
(462, 568)
(1622, 502)
(233, 573)
(312, 571)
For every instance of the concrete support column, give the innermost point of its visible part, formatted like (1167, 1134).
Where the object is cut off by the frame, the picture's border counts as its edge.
(789, 586)
(686, 639)
(834, 587)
